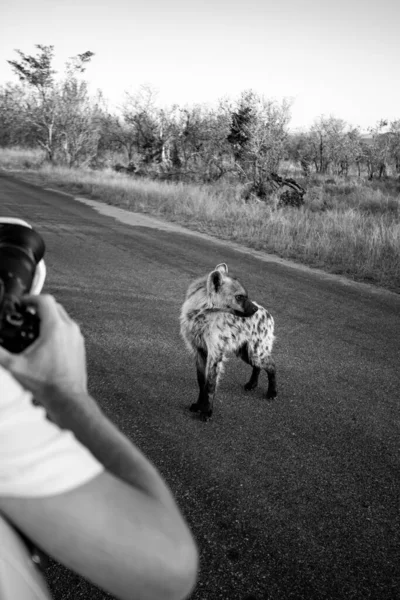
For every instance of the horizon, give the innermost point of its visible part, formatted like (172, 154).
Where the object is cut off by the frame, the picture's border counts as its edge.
(331, 60)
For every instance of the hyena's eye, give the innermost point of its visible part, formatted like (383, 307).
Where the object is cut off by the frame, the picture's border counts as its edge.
(239, 298)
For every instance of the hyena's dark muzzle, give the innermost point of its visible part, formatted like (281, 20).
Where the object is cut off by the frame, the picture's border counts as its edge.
(248, 309)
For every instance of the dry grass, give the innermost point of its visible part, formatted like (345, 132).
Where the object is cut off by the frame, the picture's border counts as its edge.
(348, 227)
(21, 158)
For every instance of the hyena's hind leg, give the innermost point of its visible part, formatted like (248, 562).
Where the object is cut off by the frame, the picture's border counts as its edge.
(269, 366)
(267, 363)
(253, 381)
(208, 371)
(243, 353)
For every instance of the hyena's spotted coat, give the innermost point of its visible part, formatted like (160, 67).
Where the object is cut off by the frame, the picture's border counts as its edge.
(217, 319)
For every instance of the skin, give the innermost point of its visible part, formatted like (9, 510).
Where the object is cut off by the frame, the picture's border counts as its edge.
(122, 530)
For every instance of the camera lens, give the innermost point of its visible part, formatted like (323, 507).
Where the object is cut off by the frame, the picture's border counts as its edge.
(21, 249)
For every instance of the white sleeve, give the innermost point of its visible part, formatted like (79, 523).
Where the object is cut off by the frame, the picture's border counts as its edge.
(37, 458)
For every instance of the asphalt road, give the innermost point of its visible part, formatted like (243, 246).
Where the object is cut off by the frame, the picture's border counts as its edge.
(294, 498)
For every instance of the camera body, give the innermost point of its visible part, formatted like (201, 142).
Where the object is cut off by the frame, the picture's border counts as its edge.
(22, 271)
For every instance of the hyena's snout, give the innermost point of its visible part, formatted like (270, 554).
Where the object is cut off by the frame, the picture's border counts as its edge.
(252, 309)
(249, 309)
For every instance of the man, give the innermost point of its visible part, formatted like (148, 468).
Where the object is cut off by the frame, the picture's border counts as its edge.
(77, 486)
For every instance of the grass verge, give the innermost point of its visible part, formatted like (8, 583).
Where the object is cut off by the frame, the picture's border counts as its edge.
(350, 228)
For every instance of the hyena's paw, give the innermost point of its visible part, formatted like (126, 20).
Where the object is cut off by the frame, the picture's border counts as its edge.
(206, 415)
(271, 394)
(250, 385)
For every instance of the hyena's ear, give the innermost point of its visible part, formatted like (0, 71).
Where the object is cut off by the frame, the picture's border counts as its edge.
(214, 281)
(223, 267)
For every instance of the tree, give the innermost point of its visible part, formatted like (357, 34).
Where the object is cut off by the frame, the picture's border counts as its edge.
(258, 135)
(330, 145)
(216, 150)
(15, 129)
(319, 144)
(300, 149)
(395, 144)
(242, 119)
(117, 135)
(142, 117)
(352, 151)
(37, 73)
(36, 70)
(377, 150)
(50, 107)
(342, 144)
(79, 117)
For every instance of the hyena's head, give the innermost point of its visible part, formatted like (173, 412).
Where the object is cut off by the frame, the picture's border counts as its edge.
(228, 293)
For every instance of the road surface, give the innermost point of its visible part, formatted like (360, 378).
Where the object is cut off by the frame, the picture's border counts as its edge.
(293, 498)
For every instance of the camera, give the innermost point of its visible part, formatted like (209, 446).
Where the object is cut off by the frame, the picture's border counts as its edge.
(22, 271)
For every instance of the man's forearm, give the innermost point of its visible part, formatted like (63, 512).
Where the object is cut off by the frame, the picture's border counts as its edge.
(83, 417)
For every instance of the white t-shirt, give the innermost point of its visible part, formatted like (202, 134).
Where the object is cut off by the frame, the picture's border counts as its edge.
(37, 458)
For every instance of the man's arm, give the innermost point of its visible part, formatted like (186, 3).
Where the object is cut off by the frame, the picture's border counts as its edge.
(114, 535)
(122, 529)
(79, 413)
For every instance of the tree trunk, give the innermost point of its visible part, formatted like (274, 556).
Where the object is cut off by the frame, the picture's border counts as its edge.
(382, 170)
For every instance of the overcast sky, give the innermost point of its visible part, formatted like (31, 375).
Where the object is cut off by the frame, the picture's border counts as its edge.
(338, 57)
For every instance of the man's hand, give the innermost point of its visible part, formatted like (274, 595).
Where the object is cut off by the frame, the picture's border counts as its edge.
(56, 360)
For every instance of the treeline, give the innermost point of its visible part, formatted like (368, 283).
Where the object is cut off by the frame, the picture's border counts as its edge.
(331, 146)
(244, 139)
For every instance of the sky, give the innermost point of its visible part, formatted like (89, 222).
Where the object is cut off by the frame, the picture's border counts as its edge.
(339, 58)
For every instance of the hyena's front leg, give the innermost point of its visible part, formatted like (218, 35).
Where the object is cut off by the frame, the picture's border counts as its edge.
(208, 386)
(201, 363)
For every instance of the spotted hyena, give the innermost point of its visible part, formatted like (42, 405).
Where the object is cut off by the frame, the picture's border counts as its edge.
(218, 318)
